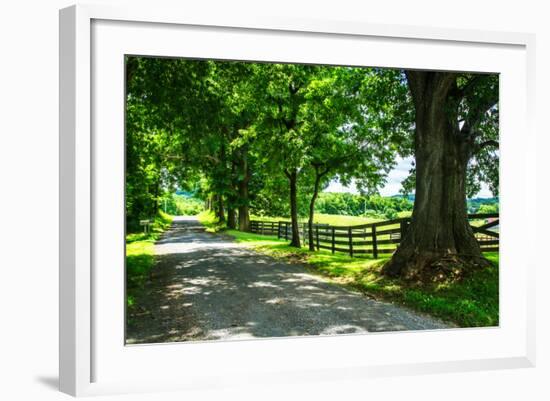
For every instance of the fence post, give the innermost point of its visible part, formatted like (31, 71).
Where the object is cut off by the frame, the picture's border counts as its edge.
(317, 235)
(374, 244)
(304, 232)
(279, 230)
(286, 230)
(350, 242)
(333, 243)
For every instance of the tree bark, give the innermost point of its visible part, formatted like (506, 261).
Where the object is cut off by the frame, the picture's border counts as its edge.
(219, 209)
(439, 242)
(318, 176)
(231, 218)
(232, 200)
(244, 214)
(292, 176)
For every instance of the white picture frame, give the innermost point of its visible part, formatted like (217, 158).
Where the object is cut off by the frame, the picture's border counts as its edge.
(92, 358)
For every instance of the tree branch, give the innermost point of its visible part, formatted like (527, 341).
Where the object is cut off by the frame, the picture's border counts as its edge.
(317, 166)
(461, 92)
(212, 158)
(489, 143)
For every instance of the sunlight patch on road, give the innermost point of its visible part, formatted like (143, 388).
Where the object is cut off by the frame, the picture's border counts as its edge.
(234, 333)
(344, 329)
(263, 284)
(302, 277)
(275, 301)
(184, 245)
(308, 287)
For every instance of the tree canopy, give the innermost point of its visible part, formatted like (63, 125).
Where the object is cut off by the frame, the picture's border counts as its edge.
(271, 136)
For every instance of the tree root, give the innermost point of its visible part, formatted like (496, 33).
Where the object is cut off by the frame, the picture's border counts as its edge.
(434, 267)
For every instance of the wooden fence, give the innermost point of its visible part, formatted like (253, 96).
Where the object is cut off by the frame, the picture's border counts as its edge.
(373, 238)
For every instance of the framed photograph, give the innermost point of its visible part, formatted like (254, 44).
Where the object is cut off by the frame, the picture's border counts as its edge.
(273, 200)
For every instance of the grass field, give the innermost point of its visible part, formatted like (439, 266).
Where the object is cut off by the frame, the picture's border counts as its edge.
(471, 302)
(332, 219)
(209, 219)
(140, 255)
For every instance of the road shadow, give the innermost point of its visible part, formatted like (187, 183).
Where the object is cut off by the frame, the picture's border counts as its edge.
(216, 290)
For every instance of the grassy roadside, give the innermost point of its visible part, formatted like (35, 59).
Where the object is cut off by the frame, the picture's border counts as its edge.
(471, 302)
(208, 219)
(140, 255)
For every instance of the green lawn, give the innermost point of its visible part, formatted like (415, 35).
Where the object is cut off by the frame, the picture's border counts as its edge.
(332, 219)
(320, 218)
(471, 302)
(140, 255)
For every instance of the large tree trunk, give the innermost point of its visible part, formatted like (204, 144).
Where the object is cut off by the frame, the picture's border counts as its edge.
(439, 242)
(292, 176)
(318, 176)
(231, 218)
(219, 208)
(244, 214)
(231, 201)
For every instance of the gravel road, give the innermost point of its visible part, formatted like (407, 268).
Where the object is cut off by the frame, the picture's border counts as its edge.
(207, 287)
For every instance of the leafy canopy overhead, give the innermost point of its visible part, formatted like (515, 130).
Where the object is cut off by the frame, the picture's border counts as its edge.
(196, 123)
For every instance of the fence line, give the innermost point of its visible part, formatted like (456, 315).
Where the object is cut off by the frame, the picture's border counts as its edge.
(372, 238)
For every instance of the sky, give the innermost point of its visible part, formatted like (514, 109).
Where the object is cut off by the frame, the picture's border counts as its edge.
(393, 184)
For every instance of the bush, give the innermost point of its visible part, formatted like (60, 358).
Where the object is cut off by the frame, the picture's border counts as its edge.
(209, 219)
(493, 208)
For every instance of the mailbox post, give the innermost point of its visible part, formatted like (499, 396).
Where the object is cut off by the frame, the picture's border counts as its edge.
(145, 223)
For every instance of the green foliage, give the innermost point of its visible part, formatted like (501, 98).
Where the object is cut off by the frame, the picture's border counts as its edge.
(357, 205)
(483, 205)
(232, 132)
(470, 302)
(209, 219)
(488, 208)
(180, 205)
(271, 195)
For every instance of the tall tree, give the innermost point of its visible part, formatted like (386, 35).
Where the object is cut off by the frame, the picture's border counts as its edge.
(165, 108)
(455, 119)
(230, 84)
(348, 113)
(341, 139)
(283, 88)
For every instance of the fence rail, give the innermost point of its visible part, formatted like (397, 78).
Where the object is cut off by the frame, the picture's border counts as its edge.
(373, 238)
